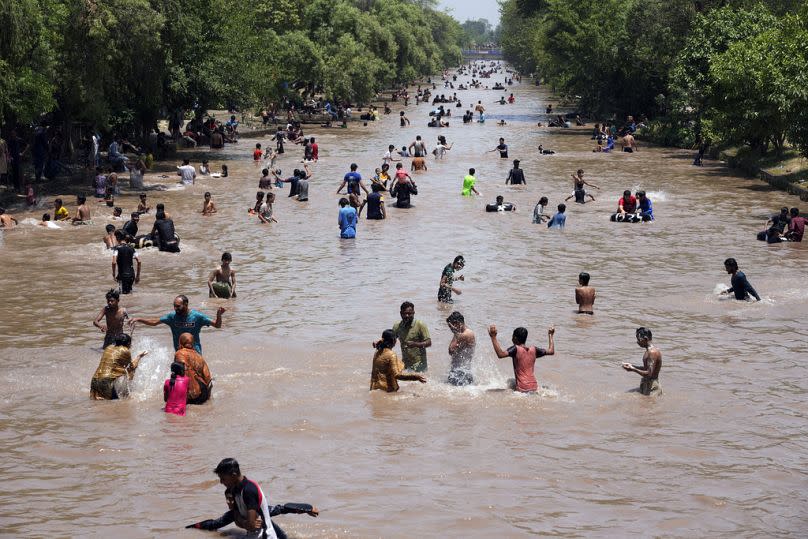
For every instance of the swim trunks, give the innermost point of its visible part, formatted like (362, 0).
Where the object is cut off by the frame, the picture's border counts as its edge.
(650, 387)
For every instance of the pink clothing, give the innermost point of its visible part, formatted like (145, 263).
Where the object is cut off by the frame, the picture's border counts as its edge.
(524, 360)
(175, 403)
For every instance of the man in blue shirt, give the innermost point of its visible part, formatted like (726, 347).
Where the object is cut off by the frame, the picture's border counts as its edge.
(646, 208)
(559, 219)
(347, 219)
(183, 320)
(354, 181)
(740, 285)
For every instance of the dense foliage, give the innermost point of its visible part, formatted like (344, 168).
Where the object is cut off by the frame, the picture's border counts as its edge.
(730, 70)
(130, 62)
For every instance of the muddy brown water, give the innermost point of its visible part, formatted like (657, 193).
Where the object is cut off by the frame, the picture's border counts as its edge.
(721, 454)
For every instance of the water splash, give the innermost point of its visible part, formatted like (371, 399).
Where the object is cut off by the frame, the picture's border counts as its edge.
(153, 370)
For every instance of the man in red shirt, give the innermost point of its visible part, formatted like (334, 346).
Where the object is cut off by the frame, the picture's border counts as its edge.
(524, 358)
(627, 203)
(315, 150)
(796, 227)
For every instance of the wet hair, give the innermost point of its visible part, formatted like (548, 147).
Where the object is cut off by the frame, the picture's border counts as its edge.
(516, 162)
(459, 260)
(501, 139)
(227, 257)
(135, 214)
(543, 201)
(259, 194)
(311, 140)
(183, 298)
(265, 172)
(784, 210)
(399, 165)
(207, 194)
(118, 210)
(343, 202)
(228, 467)
(500, 199)
(177, 369)
(580, 171)
(81, 199)
(109, 228)
(376, 187)
(258, 145)
(123, 340)
(385, 167)
(641, 194)
(186, 161)
(58, 201)
(354, 166)
(270, 197)
(407, 305)
(455, 318)
(627, 193)
(562, 208)
(795, 212)
(643, 333)
(471, 171)
(161, 214)
(46, 217)
(160, 206)
(113, 294)
(520, 335)
(388, 340)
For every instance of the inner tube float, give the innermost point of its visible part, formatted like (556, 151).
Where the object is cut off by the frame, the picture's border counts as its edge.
(141, 242)
(628, 218)
(499, 207)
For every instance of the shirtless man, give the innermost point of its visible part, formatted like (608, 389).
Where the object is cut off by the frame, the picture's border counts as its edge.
(651, 364)
(418, 164)
(222, 281)
(578, 185)
(585, 295)
(7, 221)
(83, 216)
(479, 108)
(418, 147)
(142, 206)
(461, 350)
(109, 239)
(115, 316)
(403, 119)
(208, 207)
(629, 144)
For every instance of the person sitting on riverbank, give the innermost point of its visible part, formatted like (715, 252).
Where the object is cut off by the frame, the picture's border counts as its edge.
(115, 370)
(387, 368)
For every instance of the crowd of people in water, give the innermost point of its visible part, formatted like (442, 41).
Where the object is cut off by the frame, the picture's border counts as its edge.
(191, 382)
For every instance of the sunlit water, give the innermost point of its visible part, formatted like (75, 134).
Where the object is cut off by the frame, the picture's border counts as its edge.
(721, 454)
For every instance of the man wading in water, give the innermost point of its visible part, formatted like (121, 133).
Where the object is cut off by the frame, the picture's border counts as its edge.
(651, 364)
(461, 350)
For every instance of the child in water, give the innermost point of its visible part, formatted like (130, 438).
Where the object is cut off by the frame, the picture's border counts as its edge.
(175, 390)
(222, 281)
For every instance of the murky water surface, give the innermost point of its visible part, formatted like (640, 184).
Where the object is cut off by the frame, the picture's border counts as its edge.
(721, 454)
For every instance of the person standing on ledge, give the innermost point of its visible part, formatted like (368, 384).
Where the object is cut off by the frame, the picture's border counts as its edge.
(651, 364)
(585, 295)
(183, 320)
(740, 285)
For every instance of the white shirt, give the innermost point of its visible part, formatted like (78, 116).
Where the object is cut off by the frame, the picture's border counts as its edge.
(188, 173)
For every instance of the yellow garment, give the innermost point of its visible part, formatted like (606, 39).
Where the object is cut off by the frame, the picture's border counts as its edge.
(60, 214)
(115, 362)
(385, 363)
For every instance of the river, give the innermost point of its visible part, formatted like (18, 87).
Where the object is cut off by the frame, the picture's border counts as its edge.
(722, 453)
